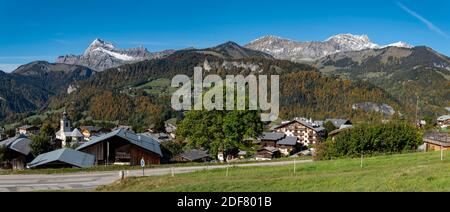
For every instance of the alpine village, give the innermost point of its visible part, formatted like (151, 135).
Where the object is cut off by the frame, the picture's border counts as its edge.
(111, 106)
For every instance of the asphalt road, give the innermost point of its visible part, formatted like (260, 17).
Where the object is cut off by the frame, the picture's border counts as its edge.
(86, 181)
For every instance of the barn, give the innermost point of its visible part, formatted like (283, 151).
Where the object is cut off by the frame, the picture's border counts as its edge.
(195, 155)
(122, 147)
(62, 158)
(18, 151)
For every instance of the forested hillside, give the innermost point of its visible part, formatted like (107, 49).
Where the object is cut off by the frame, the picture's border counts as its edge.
(125, 93)
(416, 75)
(30, 87)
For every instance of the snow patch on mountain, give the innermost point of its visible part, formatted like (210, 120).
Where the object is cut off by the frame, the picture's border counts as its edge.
(116, 55)
(287, 49)
(352, 42)
(102, 55)
(399, 44)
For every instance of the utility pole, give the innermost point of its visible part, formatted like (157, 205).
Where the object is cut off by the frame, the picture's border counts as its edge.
(227, 171)
(295, 160)
(417, 109)
(362, 157)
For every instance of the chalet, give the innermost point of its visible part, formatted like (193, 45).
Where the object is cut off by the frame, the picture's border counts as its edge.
(124, 127)
(267, 153)
(18, 151)
(28, 130)
(288, 145)
(194, 155)
(171, 130)
(89, 131)
(421, 123)
(63, 158)
(307, 132)
(339, 123)
(444, 121)
(123, 147)
(269, 139)
(437, 141)
(335, 133)
(242, 154)
(160, 137)
(66, 135)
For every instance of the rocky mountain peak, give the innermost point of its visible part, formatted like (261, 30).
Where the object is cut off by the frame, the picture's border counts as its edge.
(286, 49)
(98, 43)
(349, 37)
(233, 50)
(102, 55)
(350, 42)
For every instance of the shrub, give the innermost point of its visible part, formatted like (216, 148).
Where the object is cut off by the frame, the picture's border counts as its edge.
(2, 155)
(371, 139)
(40, 144)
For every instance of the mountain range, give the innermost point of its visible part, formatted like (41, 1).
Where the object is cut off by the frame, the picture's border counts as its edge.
(286, 49)
(122, 93)
(102, 55)
(321, 79)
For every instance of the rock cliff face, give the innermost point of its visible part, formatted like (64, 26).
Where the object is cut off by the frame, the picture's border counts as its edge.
(383, 109)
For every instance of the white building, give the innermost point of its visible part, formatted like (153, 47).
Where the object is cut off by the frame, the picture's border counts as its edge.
(444, 121)
(66, 134)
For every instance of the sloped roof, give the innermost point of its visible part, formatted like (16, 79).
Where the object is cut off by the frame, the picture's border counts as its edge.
(304, 123)
(68, 156)
(76, 133)
(19, 143)
(338, 122)
(91, 128)
(26, 127)
(443, 118)
(269, 149)
(142, 141)
(125, 127)
(272, 136)
(194, 154)
(288, 141)
(335, 132)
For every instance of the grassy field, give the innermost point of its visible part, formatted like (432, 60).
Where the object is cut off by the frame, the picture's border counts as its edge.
(406, 172)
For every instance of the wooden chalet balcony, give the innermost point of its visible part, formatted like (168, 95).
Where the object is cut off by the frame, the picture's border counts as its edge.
(440, 139)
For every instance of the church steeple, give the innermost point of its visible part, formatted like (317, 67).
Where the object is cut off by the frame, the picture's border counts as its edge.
(65, 123)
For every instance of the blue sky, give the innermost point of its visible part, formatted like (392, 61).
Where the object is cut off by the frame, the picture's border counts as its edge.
(42, 30)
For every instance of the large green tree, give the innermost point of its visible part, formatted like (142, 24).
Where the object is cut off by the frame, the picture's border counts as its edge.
(219, 131)
(47, 130)
(329, 127)
(40, 144)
